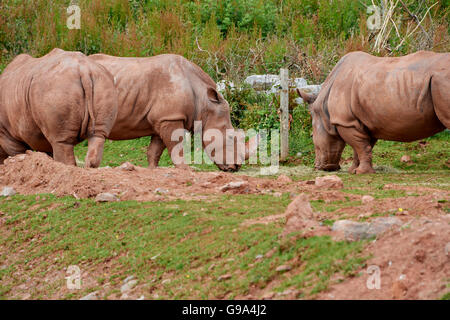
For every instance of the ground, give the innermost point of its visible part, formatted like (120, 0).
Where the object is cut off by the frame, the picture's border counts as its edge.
(181, 235)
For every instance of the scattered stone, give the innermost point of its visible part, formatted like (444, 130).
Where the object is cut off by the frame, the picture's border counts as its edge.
(8, 191)
(259, 257)
(353, 230)
(262, 82)
(106, 197)
(405, 159)
(268, 296)
(127, 279)
(329, 182)
(278, 194)
(91, 296)
(283, 268)
(126, 287)
(234, 185)
(299, 215)
(271, 252)
(161, 191)
(127, 166)
(224, 277)
(284, 179)
(312, 88)
(366, 199)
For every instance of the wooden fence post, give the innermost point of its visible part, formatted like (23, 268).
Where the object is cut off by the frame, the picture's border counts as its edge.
(284, 106)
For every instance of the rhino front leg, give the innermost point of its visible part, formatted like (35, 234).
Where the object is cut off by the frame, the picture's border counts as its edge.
(154, 151)
(355, 163)
(167, 128)
(362, 145)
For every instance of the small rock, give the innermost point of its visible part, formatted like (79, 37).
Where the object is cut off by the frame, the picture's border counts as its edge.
(278, 194)
(382, 224)
(259, 257)
(224, 277)
(366, 199)
(329, 182)
(363, 230)
(284, 179)
(299, 215)
(234, 185)
(128, 286)
(8, 191)
(405, 159)
(91, 296)
(161, 191)
(106, 197)
(283, 268)
(271, 252)
(268, 296)
(127, 166)
(127, 279)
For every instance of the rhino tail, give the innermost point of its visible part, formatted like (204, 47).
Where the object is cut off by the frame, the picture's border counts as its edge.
(88, 88)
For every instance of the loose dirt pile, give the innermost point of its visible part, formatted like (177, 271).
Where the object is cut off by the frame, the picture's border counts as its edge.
(413, 263)
(35, 172)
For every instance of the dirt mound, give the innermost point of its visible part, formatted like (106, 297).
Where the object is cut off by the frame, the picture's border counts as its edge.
(413, 263)
(35, 172)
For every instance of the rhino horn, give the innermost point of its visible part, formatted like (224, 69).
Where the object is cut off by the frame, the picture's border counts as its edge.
(307, 95)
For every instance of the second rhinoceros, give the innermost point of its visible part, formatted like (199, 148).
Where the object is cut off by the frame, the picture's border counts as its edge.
(366, 98)
(50, 104)
(164, 93)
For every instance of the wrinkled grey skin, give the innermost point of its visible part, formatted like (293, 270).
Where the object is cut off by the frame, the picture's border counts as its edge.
(52, 103)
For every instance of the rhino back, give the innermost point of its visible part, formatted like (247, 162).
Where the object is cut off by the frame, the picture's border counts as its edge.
(393, 98)
(151, 90)
(389, 97)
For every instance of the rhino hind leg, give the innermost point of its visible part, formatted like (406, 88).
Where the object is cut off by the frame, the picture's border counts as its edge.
(94, 154)
(154, 151)
(63, 152)
(167, 128)
(362, 145)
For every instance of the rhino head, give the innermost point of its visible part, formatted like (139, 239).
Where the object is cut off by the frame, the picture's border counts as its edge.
(328, 144)
(220, 139)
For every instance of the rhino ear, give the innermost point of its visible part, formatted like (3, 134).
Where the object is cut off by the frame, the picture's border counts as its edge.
(213, 95)
(307, 96)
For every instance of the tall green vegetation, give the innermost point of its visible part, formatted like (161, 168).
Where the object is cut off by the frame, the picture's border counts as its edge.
(229, 39)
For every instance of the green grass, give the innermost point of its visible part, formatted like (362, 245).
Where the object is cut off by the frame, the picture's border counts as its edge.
(179, 240)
